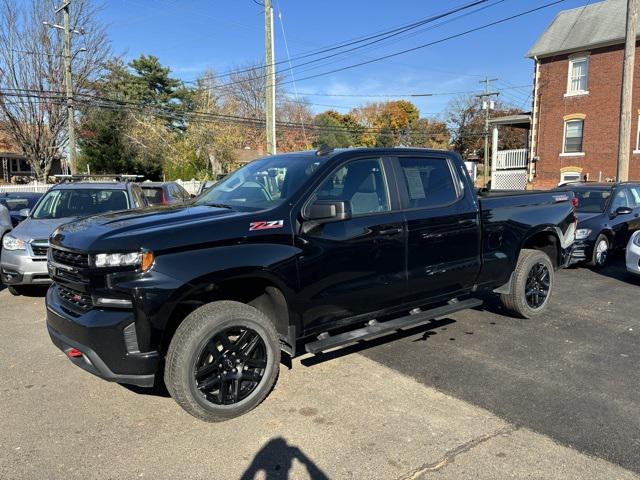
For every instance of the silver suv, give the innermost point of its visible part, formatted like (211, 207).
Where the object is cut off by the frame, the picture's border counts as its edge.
(24, 250)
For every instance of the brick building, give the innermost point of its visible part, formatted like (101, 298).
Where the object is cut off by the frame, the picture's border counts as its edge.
(576, 103)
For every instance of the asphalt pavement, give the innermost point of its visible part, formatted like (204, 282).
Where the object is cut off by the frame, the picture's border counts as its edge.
(477, 395)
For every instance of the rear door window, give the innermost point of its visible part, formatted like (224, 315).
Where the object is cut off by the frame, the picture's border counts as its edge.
(429, 182)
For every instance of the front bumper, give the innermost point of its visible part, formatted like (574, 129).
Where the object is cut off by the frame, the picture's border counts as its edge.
(20, 267)
(633, 257)
(100, 335)
(582, 251)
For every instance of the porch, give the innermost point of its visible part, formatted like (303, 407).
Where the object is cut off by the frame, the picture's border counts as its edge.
(510, 168)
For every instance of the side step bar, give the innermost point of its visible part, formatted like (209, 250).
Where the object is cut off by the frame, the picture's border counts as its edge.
(377, 329)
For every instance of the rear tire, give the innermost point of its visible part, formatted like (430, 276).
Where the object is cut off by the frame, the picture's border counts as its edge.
(531, 285)
(223, 361)
(600, 252)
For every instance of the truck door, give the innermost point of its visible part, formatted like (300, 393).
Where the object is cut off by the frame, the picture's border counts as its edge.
(355, 266)
(443, 228)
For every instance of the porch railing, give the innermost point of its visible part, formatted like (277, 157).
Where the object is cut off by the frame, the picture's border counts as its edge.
(511, 159)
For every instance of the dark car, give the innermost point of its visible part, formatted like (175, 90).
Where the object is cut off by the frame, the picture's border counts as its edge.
(303, 251)
(19, 204)
(608, 214)
(165, 193)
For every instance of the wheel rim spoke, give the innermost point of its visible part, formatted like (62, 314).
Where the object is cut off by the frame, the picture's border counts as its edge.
(537, 285)
(230, 366)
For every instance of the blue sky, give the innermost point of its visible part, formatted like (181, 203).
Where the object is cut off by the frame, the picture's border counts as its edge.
(191, 36)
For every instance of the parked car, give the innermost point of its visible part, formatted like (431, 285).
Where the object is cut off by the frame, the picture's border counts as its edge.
(312, 249)
(165, 193)
(23, 262)
(608, 214)
(5, 221)
(19, 204)
(633, 254)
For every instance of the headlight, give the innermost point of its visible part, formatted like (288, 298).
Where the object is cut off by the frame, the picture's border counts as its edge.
(13, 243)
(582, 233)
(135, 259)
(636, 239)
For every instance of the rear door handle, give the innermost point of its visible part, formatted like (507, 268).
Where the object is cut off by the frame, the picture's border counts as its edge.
(390, 231)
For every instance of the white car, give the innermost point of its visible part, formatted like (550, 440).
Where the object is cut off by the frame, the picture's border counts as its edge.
(633, 253)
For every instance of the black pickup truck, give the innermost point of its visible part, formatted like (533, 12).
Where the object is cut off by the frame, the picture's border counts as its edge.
(298, 252)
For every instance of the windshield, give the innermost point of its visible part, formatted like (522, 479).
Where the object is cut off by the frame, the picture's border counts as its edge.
(80, 202)
(17, 202)
(592, 201)
(262, 184)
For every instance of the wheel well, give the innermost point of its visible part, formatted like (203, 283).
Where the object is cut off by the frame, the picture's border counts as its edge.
(546, 242)
(259, 293)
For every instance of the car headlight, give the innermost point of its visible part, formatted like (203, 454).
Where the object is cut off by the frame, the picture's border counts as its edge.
(636, 239)
(144, 260)
(582, 233)
(12, 243)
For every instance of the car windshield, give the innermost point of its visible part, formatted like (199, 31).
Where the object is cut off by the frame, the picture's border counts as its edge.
(592, 201)
(16, 202)
(81, 202)
(262, 184)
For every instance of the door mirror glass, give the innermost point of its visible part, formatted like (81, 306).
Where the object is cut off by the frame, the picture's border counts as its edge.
(623, 211)
(24, 212)
(325, 211)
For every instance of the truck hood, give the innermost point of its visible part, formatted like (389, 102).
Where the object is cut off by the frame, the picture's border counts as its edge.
(144, 228)
(38, 229)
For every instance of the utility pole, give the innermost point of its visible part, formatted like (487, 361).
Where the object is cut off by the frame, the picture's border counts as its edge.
(624, 139)
(68, 81)
(487, 106)
(270, 94)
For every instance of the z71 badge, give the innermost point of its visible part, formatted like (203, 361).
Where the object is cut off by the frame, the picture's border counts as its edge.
(266, 225)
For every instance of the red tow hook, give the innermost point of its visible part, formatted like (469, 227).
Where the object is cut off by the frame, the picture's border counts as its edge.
(74, 353)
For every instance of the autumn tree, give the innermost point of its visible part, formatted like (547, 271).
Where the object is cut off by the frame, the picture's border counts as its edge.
(33, 110)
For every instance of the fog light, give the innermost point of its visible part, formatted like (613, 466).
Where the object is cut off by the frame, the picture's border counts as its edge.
(112, 302)
(74, 353)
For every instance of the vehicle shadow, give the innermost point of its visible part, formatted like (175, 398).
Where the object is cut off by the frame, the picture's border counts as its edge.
(426, 330)
(616, 268)
(276, 458)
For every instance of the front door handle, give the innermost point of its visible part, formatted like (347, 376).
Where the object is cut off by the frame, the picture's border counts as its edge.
(468, 222)
(390, 231)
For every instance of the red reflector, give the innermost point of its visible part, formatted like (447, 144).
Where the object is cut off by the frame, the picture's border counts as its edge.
(74, 353)
(575, 202)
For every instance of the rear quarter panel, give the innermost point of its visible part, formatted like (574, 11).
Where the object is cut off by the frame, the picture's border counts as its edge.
(510, 220)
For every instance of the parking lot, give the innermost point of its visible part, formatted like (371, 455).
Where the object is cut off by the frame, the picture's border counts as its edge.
(477, 394)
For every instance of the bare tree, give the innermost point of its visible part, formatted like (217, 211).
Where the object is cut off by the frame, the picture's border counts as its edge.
(32, 105)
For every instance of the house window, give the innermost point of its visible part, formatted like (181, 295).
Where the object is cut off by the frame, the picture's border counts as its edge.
(573, 136)
(19, 165)
(578, 75)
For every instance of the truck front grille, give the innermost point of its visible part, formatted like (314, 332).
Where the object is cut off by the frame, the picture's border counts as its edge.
(40, 247)
(72, 259)
(79, 300)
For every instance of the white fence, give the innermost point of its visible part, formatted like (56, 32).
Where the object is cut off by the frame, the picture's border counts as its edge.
(511, 159)
(191, 186)
(34, 187)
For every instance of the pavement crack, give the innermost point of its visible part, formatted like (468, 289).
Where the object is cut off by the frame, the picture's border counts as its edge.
(450, 456)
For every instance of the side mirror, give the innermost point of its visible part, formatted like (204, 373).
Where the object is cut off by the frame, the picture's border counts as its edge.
(326, 211)
(623, 211)
(24, 212)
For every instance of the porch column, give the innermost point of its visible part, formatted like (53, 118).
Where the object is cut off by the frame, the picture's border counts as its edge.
(494, 152)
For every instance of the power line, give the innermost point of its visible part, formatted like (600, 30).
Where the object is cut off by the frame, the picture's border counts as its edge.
(371, 39)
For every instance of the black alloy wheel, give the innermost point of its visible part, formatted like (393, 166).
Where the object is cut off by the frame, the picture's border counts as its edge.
(231, 365)
(537, 286)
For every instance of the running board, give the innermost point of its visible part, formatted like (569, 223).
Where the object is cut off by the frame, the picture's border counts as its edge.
(377, 329)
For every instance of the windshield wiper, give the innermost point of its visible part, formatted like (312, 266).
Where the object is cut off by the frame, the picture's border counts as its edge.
(219, 205)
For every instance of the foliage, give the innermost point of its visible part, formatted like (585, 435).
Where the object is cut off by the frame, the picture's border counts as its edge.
(30, 58)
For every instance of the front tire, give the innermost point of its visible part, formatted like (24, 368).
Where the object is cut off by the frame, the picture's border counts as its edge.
(531, 285)
(600, 252)
(223, 361)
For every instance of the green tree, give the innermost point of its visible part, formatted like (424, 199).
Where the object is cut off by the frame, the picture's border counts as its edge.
(335, 130)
